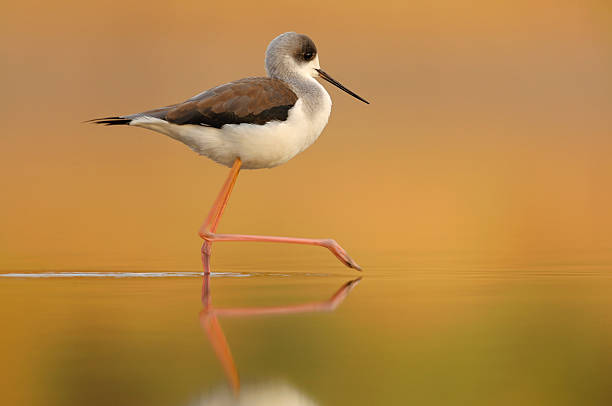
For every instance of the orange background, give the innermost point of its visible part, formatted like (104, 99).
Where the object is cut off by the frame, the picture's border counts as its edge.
(489, 131)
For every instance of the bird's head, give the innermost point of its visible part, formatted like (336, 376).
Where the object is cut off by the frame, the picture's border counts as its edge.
(292, 54)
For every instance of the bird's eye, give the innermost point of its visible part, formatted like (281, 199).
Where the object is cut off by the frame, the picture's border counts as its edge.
(308, 56)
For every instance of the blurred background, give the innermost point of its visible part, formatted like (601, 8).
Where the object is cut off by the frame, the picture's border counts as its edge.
(489, 131)
(475, 191)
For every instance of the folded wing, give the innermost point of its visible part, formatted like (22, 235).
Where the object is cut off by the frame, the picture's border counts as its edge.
(251, 100)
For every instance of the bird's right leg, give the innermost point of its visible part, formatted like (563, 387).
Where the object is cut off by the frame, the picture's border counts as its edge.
(212, 221)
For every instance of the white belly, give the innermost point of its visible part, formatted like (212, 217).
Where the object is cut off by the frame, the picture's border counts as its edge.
(258, 146)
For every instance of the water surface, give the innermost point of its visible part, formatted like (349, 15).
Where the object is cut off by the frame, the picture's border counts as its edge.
(410, 332)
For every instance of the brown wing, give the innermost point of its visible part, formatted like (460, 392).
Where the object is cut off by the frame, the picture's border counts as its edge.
(251, 100)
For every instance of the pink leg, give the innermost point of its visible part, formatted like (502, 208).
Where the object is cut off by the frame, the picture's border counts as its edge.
(331, 245)
(207, 231)
(215, 214)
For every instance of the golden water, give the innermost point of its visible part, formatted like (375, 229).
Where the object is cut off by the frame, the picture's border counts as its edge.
(440, 331)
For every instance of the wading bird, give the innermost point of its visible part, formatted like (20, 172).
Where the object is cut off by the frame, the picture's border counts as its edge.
(252, 123)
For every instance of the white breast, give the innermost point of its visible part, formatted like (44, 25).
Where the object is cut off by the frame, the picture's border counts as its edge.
(258, 146)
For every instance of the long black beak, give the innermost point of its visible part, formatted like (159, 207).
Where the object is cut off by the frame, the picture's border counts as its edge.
(334, 82)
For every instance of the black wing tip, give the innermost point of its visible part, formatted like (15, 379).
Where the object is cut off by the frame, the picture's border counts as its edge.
(110, 121)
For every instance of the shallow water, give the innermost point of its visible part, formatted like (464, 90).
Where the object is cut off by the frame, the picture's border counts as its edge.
(409, 332)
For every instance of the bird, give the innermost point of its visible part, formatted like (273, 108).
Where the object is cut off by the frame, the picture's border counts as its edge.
(252, 123)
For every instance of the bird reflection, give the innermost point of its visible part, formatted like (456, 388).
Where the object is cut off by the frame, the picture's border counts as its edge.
(210, 323)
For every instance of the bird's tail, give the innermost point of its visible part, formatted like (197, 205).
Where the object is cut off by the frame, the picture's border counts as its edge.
(111, 121)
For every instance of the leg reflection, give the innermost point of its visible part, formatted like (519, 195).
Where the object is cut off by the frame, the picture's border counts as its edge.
(210, 323)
